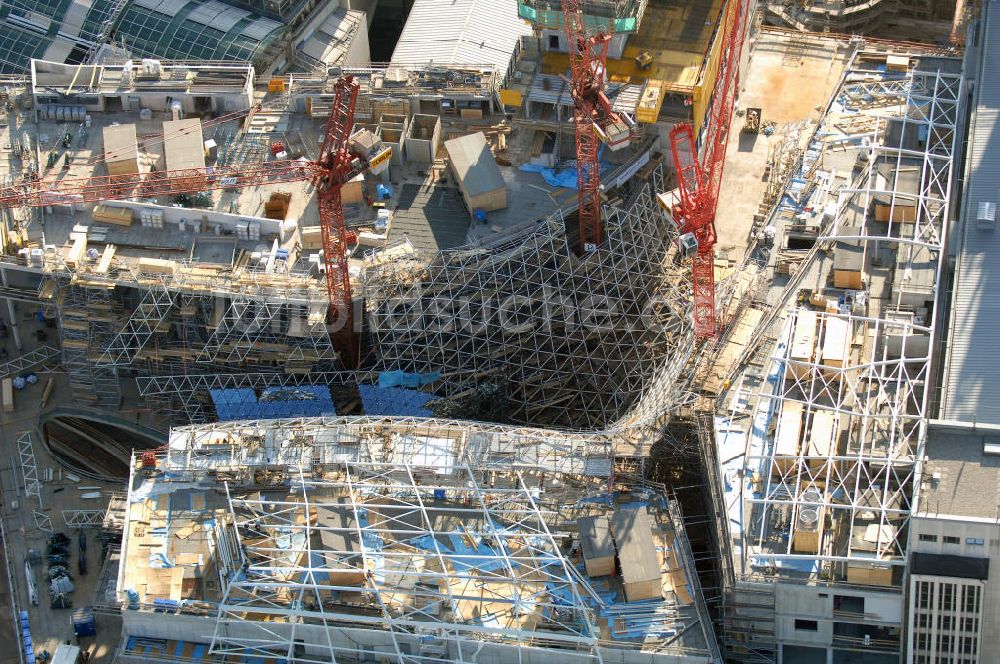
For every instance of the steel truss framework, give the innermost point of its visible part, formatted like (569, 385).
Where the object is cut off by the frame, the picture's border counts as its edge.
(250, 323)
(84, 518)
(30, 360)
(579, 340)
(29, 468)
(878, 398)
(152, 310)
(236, 447)
(276, 564)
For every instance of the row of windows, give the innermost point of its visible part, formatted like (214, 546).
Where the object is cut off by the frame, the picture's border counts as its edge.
(928, 659)
(947, 623)
(945, 643)
(951, 539)
(948, 599)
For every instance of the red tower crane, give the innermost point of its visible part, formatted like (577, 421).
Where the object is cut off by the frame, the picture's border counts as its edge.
(699, 181)
(593, 119)
(335, 165)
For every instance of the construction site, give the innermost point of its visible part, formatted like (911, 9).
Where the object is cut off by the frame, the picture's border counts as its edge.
(587, 330)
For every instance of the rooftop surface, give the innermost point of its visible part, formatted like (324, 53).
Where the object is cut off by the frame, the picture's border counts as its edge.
(970, 392)
(960, 478)
(465, 32)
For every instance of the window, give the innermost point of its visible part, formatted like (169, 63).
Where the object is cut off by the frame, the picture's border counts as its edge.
(554, 41)
(925, 595)
(975, 541)
(946, 600)
(971, 601)
(948, 539)
(808, 625)
(970, 625)
(944, 623)
(927, 538)
(968, 645)
(922, 620)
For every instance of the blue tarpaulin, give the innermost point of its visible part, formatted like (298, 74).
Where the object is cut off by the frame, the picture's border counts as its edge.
(394, 401)
(274, 402)
(403, 379)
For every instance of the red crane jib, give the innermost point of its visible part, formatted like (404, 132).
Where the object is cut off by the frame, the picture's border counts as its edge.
(699, 181)
(335, 166)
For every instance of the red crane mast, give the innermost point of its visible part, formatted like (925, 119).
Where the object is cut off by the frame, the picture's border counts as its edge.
(593, 119)
(699, 181)
(335, 166)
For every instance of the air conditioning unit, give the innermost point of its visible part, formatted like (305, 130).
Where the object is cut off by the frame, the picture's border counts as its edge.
(986, 216)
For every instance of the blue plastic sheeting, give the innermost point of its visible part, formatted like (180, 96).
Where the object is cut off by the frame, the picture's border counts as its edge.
(394, 401)
(807, 565)
(565, 178)
(403, 379)
(459, 552)
(274, 402)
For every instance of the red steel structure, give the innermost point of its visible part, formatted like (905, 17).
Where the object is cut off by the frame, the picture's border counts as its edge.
(699, 181)
(336, 165)
(588, 57)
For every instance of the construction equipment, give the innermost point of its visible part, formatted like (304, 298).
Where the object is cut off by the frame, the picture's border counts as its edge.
(593, 119)
(644, 60)
(335, 165)
(692, 206)
(751, 124)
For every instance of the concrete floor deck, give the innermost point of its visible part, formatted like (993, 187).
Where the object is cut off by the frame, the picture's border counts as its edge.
(49, 627)
(791, 83)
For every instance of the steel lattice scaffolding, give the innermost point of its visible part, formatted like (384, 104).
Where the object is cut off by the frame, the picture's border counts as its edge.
(87, 318)
(408, 540)
(153, 309)
(395, 518)
(579, 340)
(840, 423)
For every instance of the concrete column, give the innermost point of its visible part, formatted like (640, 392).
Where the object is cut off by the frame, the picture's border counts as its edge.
(14, 329)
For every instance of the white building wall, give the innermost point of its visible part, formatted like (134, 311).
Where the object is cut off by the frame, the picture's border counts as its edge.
(972, 537)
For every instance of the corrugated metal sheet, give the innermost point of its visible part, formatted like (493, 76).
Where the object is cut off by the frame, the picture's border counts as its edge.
(460, 32)
(972, 391)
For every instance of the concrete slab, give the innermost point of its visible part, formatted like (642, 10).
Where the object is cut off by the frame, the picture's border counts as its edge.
(791, 80)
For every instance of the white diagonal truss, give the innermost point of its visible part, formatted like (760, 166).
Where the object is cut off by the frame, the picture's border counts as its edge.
(84, 518)
(29, 468)
(379, 532)
(250, 323)
(28, 361)
(863, 384)
(154, 307)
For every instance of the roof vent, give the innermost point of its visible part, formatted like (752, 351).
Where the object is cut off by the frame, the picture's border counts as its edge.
(987, 216)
